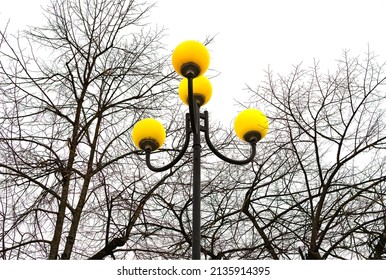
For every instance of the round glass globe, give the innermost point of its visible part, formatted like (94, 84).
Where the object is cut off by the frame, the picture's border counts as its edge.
(191, 53)
(202, 90)
(251, 123)
(148, 134)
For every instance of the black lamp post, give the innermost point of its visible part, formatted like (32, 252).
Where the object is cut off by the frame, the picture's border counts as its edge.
(190, 60)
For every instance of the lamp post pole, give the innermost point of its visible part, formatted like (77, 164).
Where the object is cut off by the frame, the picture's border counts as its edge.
(250, 125)
(194, 109)
(196, 234)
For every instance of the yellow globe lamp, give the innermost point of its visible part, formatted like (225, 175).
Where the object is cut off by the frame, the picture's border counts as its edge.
(148, 134)
(190, 58)
(202, 90)
(251, 125)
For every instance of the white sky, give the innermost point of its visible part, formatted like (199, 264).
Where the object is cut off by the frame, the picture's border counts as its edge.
(252, 34)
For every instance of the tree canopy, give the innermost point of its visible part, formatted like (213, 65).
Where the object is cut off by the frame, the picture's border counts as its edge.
(73, 185)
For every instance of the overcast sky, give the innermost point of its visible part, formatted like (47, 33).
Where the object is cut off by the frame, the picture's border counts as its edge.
(252, 34)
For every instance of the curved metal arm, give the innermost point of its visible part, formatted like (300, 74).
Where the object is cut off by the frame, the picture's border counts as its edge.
(221, 156)
(179, 156)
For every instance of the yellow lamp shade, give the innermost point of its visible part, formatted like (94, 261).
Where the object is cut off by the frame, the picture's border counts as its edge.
(251, 125)
(148, 134)
(202, 90)
(190, 57)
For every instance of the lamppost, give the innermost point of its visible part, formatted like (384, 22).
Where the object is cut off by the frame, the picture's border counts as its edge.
(190, 60)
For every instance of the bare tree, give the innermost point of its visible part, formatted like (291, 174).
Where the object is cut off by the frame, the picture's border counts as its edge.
(332, 128)
(73, 185)
(71, 91)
